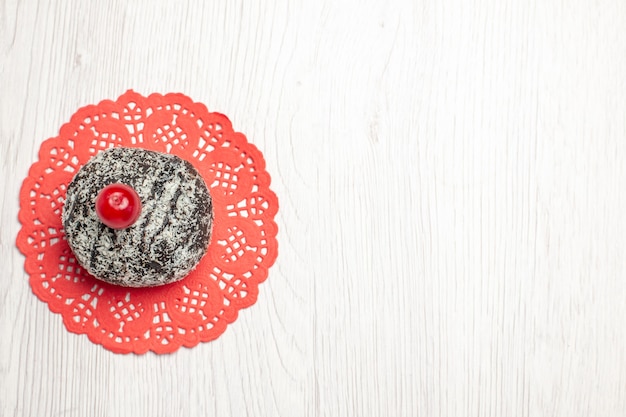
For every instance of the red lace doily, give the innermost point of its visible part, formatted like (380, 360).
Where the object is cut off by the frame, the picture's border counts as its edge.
(243, 245)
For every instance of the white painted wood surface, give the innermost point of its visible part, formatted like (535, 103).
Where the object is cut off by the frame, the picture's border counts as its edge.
(452, 223)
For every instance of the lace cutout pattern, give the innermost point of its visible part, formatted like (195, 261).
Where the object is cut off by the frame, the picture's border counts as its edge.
(243, 246)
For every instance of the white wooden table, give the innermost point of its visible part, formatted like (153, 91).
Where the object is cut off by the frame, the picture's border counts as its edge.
(453, 217)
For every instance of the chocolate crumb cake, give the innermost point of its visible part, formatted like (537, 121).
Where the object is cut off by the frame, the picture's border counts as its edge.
(168, 238)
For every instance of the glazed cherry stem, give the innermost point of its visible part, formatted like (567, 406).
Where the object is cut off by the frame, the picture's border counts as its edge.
(118, 206)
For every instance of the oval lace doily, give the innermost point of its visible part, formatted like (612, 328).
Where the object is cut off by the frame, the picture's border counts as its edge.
(243, 246)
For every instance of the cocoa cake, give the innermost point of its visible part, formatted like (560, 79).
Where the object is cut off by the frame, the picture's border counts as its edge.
(169, 237)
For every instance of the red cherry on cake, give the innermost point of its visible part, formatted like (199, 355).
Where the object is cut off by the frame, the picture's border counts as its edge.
(118, 206)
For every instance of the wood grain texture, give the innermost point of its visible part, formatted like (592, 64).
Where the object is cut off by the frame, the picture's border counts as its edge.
(451, 179)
